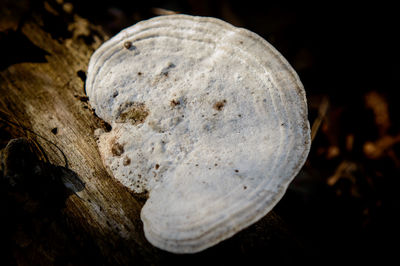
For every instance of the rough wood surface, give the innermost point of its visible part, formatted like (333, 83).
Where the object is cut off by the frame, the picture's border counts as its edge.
(45, 51)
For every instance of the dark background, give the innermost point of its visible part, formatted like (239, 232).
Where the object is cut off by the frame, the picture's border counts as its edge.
(343, 206)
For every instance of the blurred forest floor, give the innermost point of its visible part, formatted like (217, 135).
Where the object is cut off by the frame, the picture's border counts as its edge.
(344, 204)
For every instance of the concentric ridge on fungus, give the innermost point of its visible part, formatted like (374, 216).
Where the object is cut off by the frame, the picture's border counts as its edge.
(209, 118)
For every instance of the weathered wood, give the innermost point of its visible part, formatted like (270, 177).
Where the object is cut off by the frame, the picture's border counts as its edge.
(45, 52)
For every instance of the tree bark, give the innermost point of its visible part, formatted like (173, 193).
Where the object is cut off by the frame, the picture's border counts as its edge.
(45, 51)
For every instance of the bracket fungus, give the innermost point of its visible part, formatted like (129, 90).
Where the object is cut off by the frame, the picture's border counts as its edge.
(208, 118)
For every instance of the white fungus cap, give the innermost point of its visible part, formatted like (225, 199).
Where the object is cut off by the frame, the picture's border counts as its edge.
(207, 117)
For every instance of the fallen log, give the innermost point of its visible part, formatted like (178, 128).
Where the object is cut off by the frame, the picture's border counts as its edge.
(90, 218)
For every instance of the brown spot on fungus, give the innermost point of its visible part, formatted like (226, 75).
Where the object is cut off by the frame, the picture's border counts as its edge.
(157, 166)
(54, 131)
(127, 45)
(236, 170)
(126, 161)
(132, 112)
(165, 71)
(219, 105)
(174, 102)
(139, 73)
(117, 149)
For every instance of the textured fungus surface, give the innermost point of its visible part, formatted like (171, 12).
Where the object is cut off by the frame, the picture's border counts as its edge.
(209, 118)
